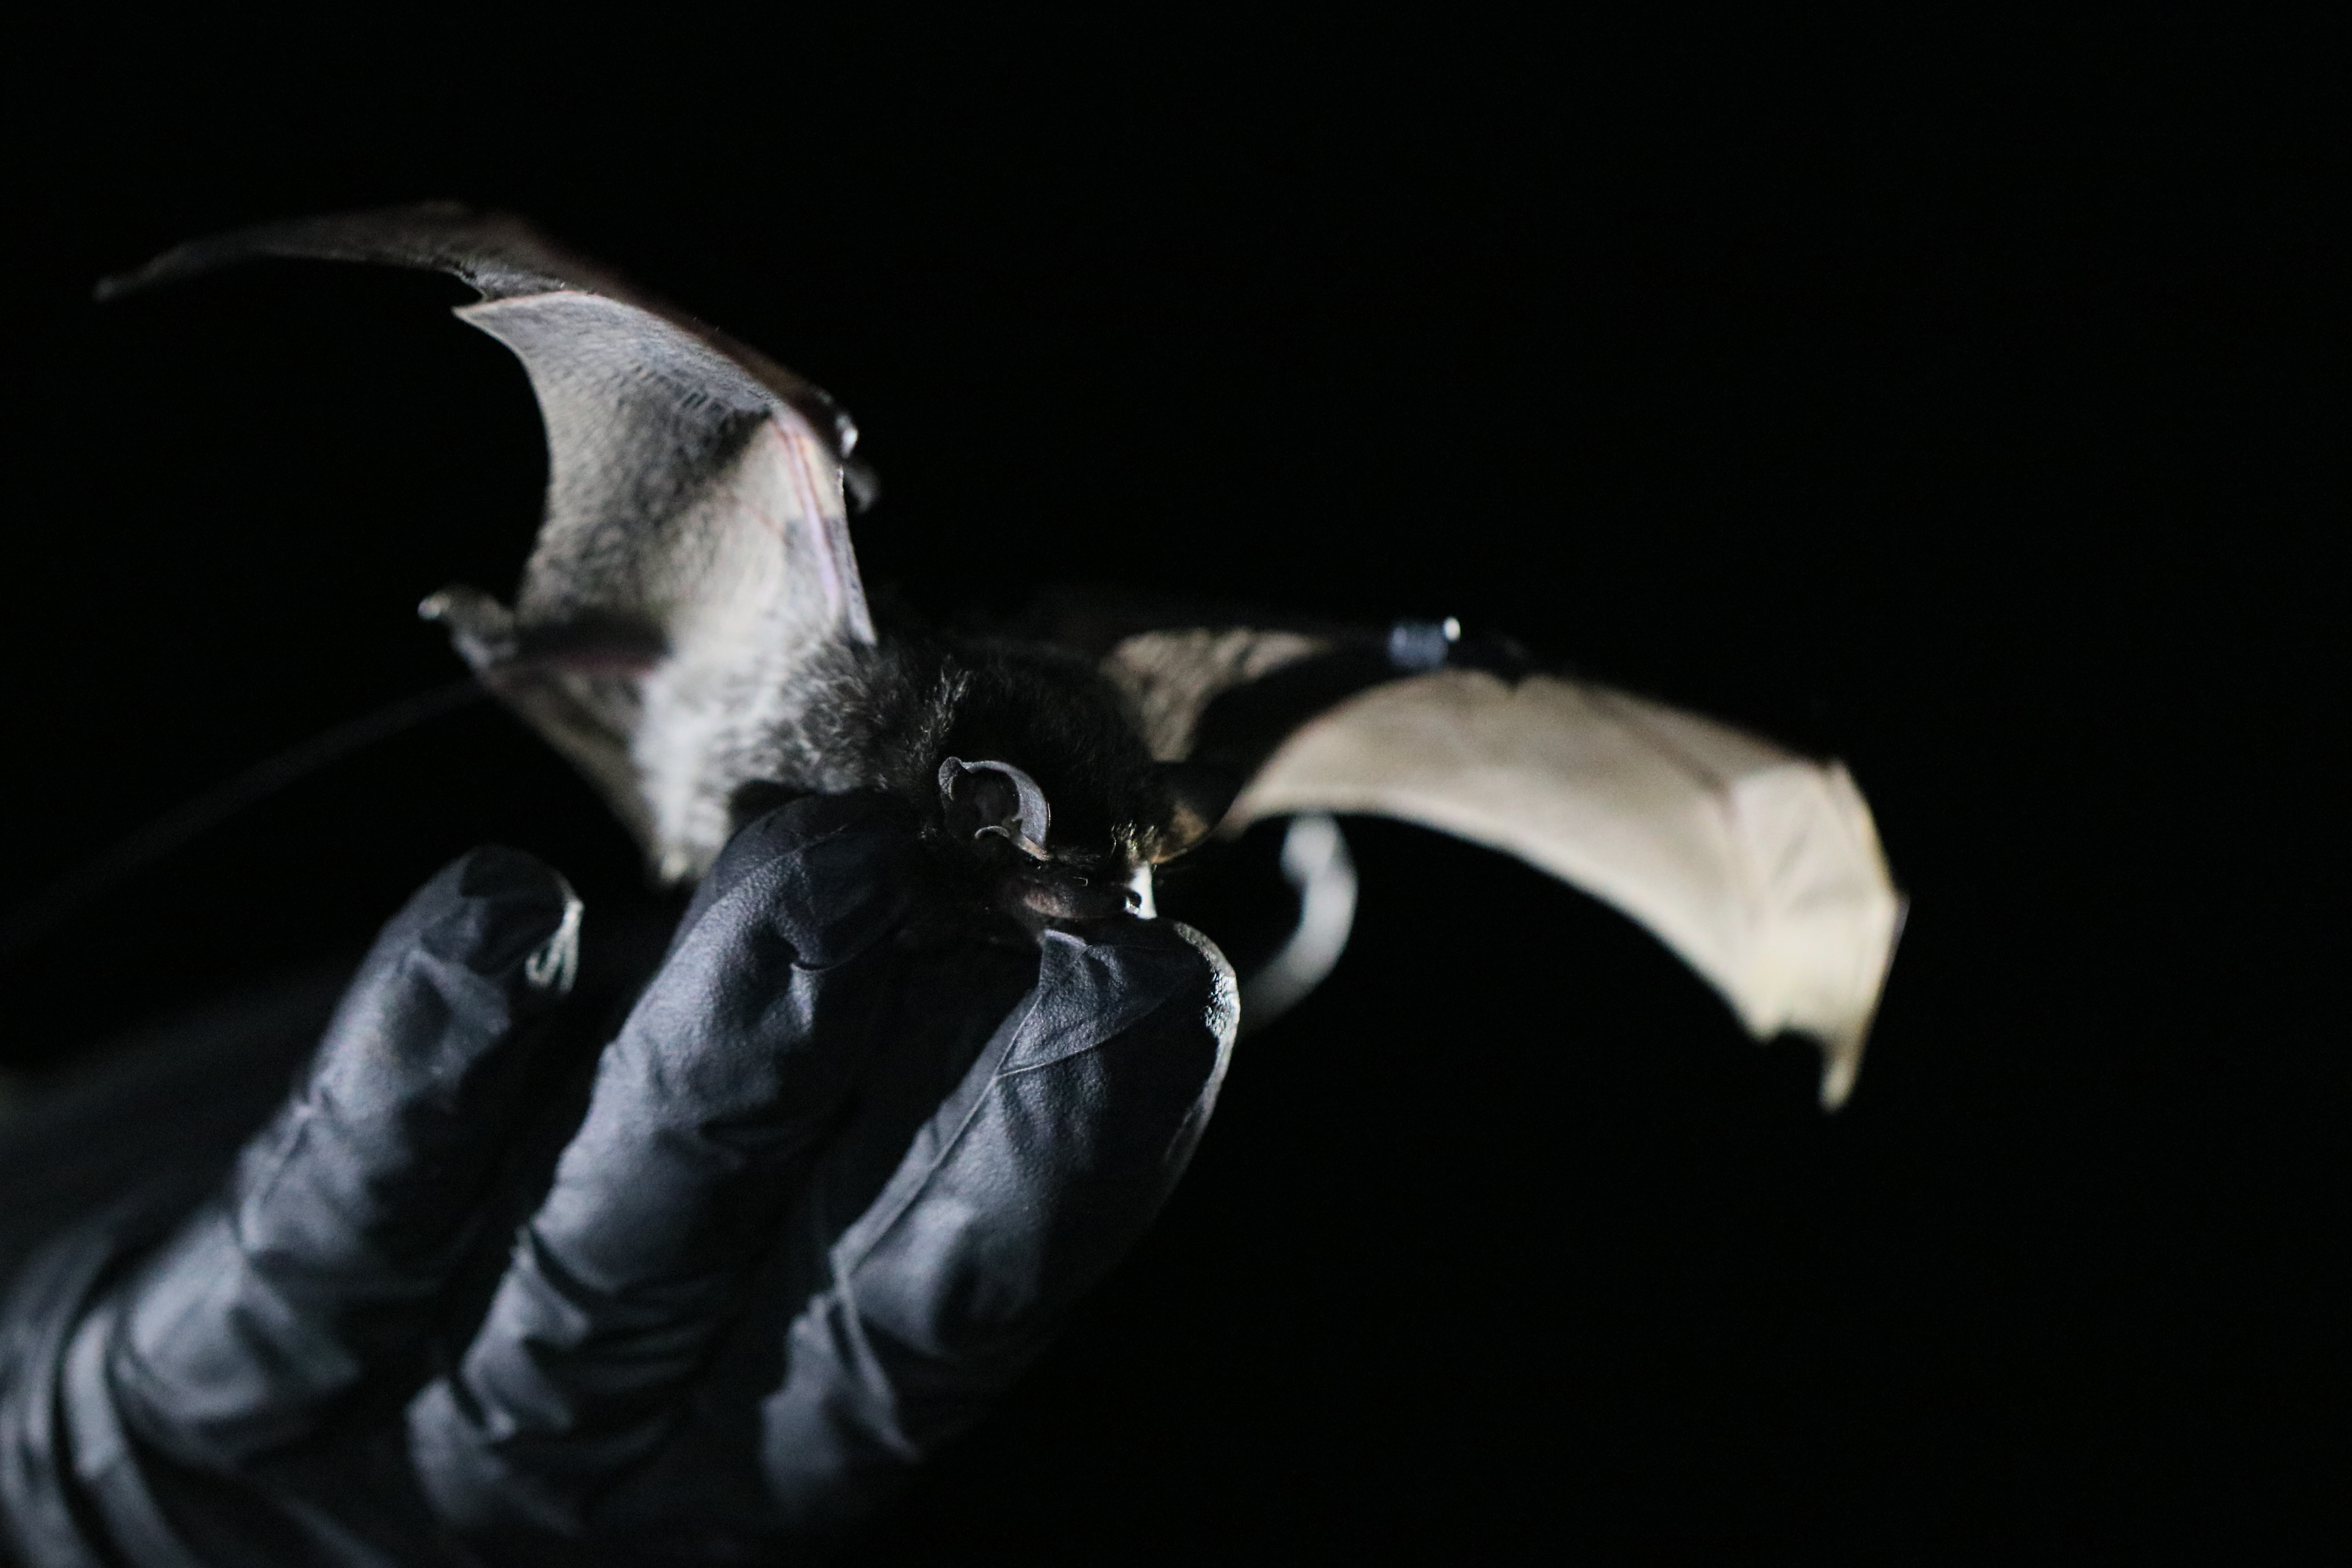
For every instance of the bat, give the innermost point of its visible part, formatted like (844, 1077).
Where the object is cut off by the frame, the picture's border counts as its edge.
(691, 633)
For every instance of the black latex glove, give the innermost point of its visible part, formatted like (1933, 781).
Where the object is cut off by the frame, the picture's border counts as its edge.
(844, 1170)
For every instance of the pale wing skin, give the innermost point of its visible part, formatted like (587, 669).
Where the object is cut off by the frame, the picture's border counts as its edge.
(695, 556)
(1168, 678)
(1760, 869)
(686, 499)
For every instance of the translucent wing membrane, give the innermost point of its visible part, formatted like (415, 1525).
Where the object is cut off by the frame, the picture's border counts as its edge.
(1760, 869)
(695, 557)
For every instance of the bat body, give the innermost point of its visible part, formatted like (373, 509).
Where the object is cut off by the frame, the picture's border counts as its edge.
(691, 632)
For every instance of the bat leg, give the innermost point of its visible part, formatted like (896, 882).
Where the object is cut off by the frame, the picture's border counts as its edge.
(1316, 862)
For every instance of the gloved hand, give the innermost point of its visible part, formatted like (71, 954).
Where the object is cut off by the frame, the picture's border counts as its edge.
(844, 1171)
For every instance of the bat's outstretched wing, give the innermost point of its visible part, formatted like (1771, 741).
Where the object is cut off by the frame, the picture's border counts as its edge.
(1760, 869)
(696, 552)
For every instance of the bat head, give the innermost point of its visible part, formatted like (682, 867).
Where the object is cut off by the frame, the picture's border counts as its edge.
(999, 814)
(1033, 785)
(1043, 784)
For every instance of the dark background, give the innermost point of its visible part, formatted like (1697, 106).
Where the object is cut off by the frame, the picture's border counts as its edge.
(1954, 402)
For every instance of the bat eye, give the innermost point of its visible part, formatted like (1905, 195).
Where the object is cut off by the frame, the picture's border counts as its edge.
(994, 799)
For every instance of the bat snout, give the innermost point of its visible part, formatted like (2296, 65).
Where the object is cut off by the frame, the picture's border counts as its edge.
(1066, 897)
(1079, 888)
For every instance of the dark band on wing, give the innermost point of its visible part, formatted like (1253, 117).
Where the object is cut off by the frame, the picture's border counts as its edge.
(1242, 727)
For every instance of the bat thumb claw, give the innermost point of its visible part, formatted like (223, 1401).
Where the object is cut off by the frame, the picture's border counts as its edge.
(482, 628)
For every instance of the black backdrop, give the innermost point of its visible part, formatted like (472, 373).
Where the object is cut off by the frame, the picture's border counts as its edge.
(1945, 402)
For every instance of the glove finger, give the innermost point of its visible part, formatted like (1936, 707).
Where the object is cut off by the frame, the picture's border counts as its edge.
(324, 1255)
(706, 1112)
(1039, 1172)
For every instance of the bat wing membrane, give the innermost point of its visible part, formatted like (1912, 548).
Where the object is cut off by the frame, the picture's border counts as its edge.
(696, 523)
(695, 553)
(695, 557)
(1760, 869)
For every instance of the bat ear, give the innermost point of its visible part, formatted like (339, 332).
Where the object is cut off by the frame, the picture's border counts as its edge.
(982, 799)
(1198, 796)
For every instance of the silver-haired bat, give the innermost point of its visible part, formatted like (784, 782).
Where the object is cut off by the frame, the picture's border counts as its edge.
(691, 633)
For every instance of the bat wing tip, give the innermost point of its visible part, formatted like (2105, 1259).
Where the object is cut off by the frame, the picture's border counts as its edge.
(115, 284)
(1842, 1049)
(1839, 1070)
(181, 261)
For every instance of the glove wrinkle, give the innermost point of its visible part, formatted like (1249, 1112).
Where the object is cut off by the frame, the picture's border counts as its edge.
(160, 1513)
(50, 1523)
(304, 1278)
(1051, 1158)
(342, 1219)
(81, 1490)
(709, 1106)
(843, 1171)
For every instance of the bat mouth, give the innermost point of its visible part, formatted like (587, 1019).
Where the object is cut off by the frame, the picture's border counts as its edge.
(1071, 898)
(1003, 815)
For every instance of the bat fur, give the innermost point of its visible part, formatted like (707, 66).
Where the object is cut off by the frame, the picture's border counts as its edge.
(691, 633)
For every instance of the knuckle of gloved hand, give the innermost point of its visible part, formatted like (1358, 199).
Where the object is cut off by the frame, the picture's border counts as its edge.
(1163, 959)
(1218, 988)
(791, 827)
(829, 874)
(493, 910)
(1152, 991)
(842, 894)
